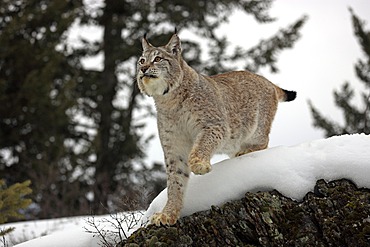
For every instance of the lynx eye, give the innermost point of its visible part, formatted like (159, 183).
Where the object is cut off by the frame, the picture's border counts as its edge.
(142, 61)
(157, 59)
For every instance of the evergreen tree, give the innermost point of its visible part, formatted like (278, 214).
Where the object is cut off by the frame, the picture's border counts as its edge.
(356, 117)
(36, 92)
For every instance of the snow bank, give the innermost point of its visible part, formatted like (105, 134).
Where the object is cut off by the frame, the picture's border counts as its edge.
(69, 230)
(293, 171)
(75, 237)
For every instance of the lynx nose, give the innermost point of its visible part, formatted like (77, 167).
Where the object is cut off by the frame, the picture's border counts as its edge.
(144, 68)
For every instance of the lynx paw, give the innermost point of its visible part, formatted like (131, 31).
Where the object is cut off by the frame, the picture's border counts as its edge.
(164, 219)
(199, 167)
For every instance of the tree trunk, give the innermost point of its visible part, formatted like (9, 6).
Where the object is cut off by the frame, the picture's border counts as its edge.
(105, 167)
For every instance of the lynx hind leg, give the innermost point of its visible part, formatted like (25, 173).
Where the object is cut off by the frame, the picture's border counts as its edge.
(252, 148)
(260, 138)
(178, 176)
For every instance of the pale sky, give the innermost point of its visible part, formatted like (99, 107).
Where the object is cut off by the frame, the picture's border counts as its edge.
(320, 61)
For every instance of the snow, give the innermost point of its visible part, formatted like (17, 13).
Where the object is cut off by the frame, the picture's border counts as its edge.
(44, 232)
(71, 237)
(293, 171)
(73, 231)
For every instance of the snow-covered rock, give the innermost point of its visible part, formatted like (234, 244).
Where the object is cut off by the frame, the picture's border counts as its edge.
(293, 171)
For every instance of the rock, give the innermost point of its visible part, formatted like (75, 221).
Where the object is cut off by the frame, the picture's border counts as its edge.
(335, 214)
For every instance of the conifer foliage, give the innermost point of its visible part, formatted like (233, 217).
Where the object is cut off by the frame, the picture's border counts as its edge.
(356, 116)
(12, 200)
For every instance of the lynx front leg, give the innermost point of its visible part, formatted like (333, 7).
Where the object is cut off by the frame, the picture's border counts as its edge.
(204, 147)
(178, 176)
(198, 164)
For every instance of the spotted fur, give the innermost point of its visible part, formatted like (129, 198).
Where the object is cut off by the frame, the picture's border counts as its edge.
(199, 116)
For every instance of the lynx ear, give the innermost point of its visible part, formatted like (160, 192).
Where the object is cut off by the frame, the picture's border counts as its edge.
(174, 45)
(145, 43)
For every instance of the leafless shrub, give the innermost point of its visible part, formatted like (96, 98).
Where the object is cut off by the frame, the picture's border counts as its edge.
(115, 228)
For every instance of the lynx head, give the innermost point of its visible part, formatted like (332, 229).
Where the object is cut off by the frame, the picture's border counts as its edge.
(159, 68)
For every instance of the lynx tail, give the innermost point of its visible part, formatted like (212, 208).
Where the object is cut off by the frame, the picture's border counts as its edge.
(285, 95)
(290, 95)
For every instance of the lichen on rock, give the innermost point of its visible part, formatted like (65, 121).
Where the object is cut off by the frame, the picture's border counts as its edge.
(334, 214)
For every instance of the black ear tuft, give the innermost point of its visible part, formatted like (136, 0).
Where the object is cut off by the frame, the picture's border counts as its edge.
(174, 45)
(175, 30)
(145, 43)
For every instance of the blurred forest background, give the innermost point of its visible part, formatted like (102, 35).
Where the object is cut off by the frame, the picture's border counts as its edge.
(76, 132)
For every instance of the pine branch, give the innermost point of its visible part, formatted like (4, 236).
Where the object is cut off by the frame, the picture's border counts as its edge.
(366, 114)
(12, 199)
(362, 70)
(265, 53)
(328, 126)
(362, 36)
(356, 118)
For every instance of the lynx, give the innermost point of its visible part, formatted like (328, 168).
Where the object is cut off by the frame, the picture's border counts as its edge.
(199, 116)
